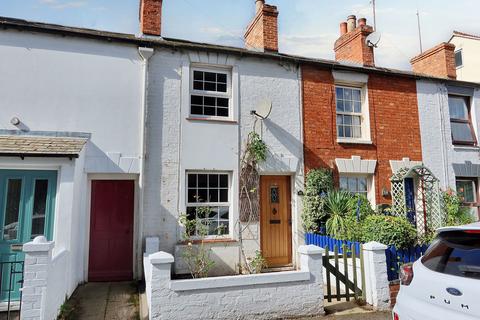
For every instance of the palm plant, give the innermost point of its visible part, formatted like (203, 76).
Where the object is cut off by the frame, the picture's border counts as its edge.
(339, 205)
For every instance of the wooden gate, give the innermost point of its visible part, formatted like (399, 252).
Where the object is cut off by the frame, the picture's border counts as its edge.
(345, 275)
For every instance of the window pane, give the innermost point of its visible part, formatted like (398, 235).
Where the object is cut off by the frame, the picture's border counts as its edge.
(339, 93)
(198, 75)
(466, 190)
(347, 94)
(340, 131)
(458, 59)
(196, 110)
(223, 195)
(222, 102)
(362, 184)
(213, 180)
(356, 95)
(340, 106)
(12, 209)
(456, 253)
(222, 112)
(192, 180)
(356, 120)
(461, 132)
(458, 107)
(192, 195)
(202, 180)
(198, 85)
(209, 101)
(202, 195)
(39, 208)
(209, 111)
(343, 183)
(221, 87)
(348, 132)
(357, 107)
(224, 180)
(213, 195)
(347, 120)
(352, 184)
(198, 100)
(357, 132)
(348, 106)
(222, 77)
(210, 86)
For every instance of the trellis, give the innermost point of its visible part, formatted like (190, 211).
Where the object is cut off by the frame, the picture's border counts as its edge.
(427, 214)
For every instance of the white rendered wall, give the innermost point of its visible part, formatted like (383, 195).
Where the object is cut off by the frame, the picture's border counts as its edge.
(176, 144)
(438, 152)
(470, 71)
(55, 83)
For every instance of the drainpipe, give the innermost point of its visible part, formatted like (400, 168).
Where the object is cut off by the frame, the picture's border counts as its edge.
(443, 104)
(145, 54)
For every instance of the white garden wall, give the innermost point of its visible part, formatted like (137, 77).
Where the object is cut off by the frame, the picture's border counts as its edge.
(259, 296)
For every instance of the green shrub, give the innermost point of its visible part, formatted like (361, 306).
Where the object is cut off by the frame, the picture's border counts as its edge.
(456, 214)
(365, 206)
(389, 230)
(317, 183)
(352, 231)
(339, 205)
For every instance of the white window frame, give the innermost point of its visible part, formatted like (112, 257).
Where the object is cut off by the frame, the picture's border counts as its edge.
(370, 184)
(474, 181)
(365, 114)
(228, 204)
(215, 94)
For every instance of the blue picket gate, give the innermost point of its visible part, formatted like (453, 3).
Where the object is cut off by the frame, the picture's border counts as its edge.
(397, 257)
(322, 241)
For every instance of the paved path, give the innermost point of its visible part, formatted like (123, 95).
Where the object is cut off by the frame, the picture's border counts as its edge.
(100, 301)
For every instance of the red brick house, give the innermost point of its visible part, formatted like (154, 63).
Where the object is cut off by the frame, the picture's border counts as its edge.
(363, 124)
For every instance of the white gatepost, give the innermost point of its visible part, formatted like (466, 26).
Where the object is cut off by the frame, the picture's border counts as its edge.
(376, 277)
(38, 258)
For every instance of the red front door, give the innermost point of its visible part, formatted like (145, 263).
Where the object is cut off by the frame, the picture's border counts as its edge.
(111, 230)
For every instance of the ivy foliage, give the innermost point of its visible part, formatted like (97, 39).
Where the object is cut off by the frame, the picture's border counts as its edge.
(318, 183)
(456, 214)
(256, 148)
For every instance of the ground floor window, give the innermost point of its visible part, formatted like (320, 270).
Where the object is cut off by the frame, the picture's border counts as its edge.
(208, 200)
(467, 190)
(355, 184)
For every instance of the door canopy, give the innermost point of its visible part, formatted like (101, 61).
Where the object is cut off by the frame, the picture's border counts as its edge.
(427, 211)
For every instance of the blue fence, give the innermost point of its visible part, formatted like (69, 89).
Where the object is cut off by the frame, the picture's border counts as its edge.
(397, 257)
(323, 241)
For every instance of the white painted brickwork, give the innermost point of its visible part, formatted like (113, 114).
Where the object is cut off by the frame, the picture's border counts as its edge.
(376, 278)
(261, 296)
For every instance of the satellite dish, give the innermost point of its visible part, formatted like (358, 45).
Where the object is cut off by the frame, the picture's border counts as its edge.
(373, 39)
(263, 109)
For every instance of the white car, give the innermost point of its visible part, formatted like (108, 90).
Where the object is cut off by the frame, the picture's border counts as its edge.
(445, 282)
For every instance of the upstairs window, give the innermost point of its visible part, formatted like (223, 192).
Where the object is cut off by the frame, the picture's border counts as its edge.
(349, 112)
(460, 120)
(458, 59)
(210, 93)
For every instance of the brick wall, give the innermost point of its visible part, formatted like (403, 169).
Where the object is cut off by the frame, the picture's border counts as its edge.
(352, 47)
(438, 61)
(151, 17)
(394, 124)
(262, 33)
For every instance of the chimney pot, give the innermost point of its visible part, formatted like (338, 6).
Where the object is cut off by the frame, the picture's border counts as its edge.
(259, 5)
(362, 22)
(351, 23)
(343, 28)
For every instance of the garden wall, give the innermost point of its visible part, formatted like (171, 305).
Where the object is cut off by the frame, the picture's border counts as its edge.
(257, 296)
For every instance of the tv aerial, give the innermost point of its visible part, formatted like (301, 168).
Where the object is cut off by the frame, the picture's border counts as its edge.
(263, 109)
(373, 39)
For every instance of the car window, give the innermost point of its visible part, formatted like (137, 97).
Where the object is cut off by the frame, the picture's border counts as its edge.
(456, 253)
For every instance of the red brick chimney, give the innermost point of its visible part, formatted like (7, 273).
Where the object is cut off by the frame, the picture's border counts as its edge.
(352, 46)
(438, 61)
(151, 17)
(262, 33)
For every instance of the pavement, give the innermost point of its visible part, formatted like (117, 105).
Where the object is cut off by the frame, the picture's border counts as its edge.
(344, 310)
(105, 300)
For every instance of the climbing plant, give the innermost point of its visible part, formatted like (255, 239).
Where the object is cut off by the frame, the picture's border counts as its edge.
(255, 152)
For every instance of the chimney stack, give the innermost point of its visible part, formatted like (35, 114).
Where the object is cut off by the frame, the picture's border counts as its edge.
(151, 17)
(352, 46)
(438, 61)
(262, 33)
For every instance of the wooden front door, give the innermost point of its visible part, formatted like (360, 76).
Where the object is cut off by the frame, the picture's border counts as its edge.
(276, 220)
(111, 230)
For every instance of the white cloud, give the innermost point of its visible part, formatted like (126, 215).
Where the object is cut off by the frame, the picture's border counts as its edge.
(59, 5)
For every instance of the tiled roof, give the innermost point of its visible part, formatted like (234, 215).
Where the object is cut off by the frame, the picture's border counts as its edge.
(23, 145)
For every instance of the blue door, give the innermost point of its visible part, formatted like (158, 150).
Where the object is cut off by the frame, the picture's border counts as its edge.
(27, 201)
(410, 201)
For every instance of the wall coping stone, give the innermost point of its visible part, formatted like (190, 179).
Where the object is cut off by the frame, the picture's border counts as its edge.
(239, 280)
(39, 244)
(374, 246)
(161, 258)
(310, 250)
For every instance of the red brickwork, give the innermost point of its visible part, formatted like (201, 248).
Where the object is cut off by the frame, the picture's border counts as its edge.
(394, 289)
(262, 33)
(438, 61)
(151, 17)
(394, 124)
(352, 47)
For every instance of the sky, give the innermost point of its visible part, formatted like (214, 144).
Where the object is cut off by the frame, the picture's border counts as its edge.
(306, 27)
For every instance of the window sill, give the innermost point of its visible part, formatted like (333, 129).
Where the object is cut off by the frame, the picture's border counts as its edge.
(227, 121)
(198, 241)
(465, 147)
(353, 141)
